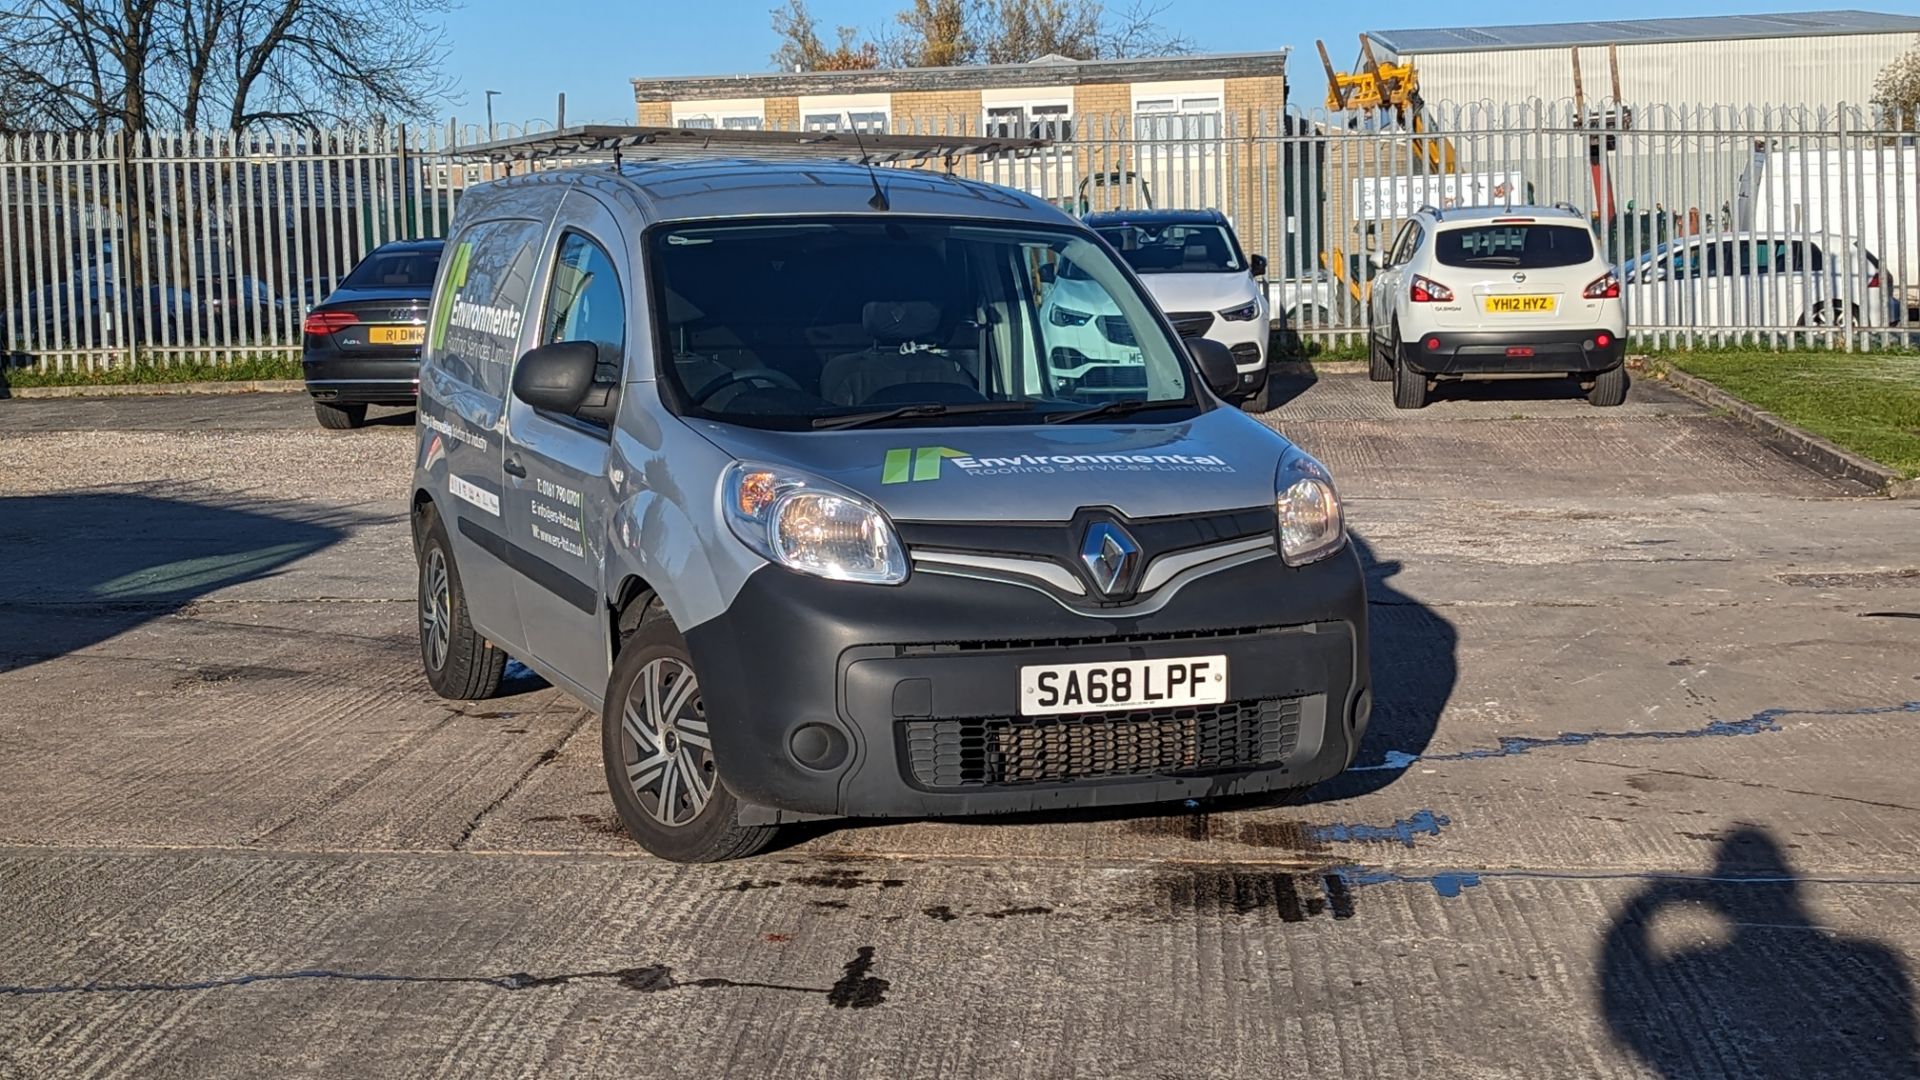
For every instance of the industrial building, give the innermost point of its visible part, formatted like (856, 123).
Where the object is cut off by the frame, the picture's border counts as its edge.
(1808, 59)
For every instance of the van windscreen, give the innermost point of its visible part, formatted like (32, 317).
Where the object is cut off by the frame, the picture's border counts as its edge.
(1524, 246)
(810, 322)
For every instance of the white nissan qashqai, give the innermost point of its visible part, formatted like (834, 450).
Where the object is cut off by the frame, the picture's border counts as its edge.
(1489, 292)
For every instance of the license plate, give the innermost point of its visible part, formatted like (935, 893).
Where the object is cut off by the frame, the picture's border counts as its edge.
(1048, 689)
(396, 335)
(1518, 305)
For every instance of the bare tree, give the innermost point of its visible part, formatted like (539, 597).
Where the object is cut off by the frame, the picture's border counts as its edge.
(142, 64)
(1016, 31)
(802, 50)
(1897, 88)
(1136, 31)
(942, 33)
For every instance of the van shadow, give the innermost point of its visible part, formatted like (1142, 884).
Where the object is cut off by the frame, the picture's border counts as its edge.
(81, 568)
(1415, 661)
(1773, 994)
(1288, 381)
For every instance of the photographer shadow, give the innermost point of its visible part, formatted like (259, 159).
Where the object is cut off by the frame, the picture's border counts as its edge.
(1777, 995)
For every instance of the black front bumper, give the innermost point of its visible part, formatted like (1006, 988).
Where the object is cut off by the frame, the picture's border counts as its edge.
(358, 380)
(906, 699)
(1521, 352)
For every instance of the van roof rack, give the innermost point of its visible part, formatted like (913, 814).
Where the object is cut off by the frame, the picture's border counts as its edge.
(1437, 214)
(616, 141)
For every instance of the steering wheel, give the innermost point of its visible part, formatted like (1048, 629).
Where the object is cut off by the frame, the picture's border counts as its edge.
(760, 374)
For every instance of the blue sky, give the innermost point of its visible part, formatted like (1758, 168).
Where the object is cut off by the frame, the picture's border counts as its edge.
(531, 50)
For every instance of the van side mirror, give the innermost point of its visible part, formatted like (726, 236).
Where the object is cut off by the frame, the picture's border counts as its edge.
(1258, 264)
(1215, 362)
(556, 378)
(1048, 273)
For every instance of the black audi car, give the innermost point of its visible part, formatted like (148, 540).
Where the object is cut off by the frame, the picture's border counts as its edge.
(362, 343)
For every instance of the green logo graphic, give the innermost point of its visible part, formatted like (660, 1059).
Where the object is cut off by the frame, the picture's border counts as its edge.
(915, 464)
(456, 277)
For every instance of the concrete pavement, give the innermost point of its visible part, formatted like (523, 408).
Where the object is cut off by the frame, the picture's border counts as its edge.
(1637, 799)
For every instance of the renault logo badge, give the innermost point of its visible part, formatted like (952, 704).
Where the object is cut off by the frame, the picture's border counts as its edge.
(1109, 554)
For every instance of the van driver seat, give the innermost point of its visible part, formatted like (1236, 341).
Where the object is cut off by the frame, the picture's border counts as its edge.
(902, 332)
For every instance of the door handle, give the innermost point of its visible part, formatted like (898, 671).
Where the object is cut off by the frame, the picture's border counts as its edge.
(512, 467)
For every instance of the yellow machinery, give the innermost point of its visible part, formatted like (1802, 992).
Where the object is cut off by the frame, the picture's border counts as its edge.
(1393, 90)
(1386, 88)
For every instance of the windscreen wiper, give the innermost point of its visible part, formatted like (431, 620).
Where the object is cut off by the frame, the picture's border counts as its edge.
(925, 408)
(1112, 408)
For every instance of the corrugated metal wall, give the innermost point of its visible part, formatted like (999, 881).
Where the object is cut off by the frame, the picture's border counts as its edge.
(1812, 71)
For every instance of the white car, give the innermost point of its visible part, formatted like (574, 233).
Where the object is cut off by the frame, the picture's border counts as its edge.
(1490, 292)
(1762, 279)
(1194, 268)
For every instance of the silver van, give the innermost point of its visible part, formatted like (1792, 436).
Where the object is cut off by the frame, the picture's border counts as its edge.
(783, 466)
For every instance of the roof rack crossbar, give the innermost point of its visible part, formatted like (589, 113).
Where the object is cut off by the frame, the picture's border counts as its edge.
(601, 140)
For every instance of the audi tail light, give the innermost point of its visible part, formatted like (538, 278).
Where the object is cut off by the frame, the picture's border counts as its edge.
(326, 322)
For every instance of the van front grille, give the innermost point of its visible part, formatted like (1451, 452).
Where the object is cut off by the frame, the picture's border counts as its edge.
(1008, 751)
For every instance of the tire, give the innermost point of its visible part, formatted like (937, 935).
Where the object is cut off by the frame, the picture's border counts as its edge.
(1409, 386)
(339, 417)
(459, 662)
(1609, 387)
(662, 807)
(1260, 400)
(1829, 315)
(1379, 363)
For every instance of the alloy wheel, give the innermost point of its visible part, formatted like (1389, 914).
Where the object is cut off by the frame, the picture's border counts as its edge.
(436, 609)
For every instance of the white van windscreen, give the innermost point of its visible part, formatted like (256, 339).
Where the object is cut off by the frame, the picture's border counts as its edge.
(1521, 245)
(803, 323)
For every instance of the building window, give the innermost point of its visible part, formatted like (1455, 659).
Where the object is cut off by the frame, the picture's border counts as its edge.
(866, 121)
(724, 121)
(1052, 121)
(1182, 117)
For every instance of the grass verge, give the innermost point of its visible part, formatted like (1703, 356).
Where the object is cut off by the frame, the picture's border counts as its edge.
(1866, 402)
(240, 369)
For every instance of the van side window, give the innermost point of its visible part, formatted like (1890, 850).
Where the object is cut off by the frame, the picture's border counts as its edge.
(585, 303)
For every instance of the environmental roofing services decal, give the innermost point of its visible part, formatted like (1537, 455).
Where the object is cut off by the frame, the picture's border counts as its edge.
(924, 463)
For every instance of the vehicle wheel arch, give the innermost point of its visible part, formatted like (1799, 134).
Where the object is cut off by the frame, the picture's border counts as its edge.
(627, 606)
(419, 514)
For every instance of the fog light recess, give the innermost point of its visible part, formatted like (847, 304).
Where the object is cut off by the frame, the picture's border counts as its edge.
(818, 747)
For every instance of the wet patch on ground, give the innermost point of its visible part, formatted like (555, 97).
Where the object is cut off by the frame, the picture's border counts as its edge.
(857, 987)
(1242, 891)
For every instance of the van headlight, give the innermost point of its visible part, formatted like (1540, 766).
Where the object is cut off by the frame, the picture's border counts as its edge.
(804, 523)
(1243, 313)
(1311, 524)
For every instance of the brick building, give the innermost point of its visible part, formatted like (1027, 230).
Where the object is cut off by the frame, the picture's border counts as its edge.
(1044, 97)
(1173, 124)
